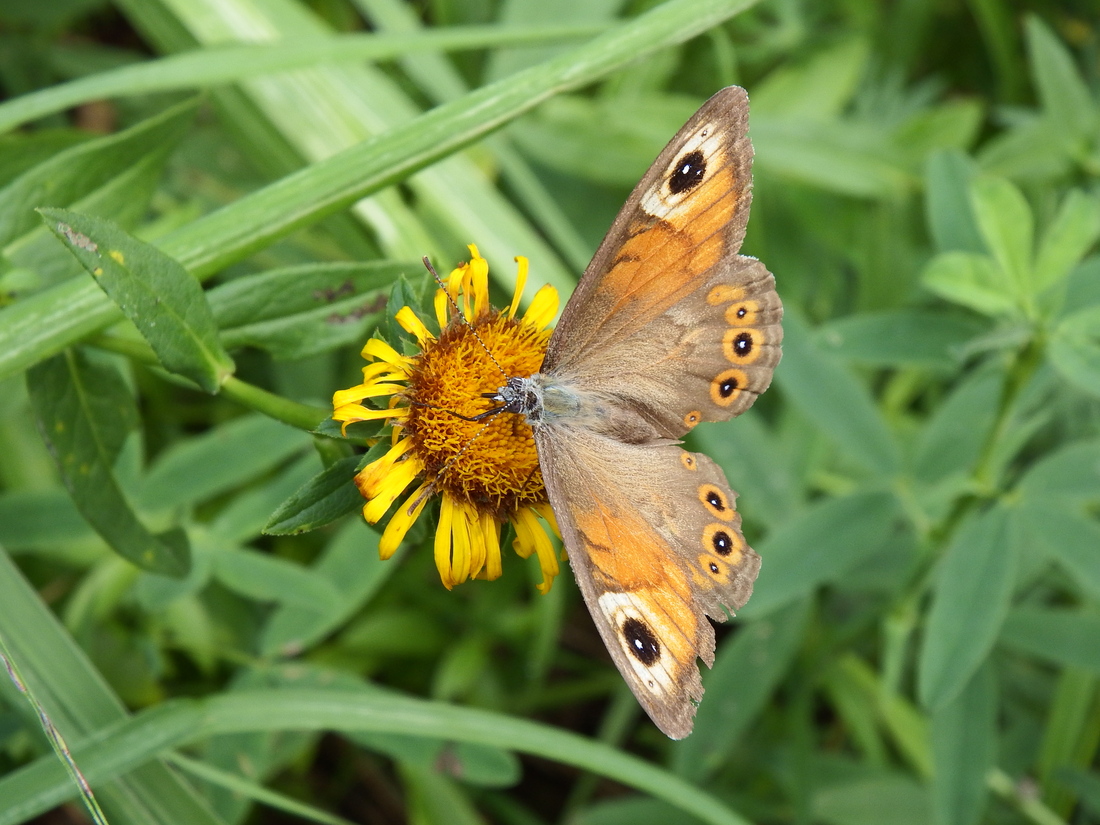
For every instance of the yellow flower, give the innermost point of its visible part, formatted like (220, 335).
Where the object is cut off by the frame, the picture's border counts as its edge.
(486, 472)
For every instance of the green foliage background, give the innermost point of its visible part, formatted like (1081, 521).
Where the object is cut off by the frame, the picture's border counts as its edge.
(922, 481)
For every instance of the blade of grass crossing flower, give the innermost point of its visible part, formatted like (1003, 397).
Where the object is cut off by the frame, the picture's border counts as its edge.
(158, 295)
(80, 705)
(43, 324)
(79, 406)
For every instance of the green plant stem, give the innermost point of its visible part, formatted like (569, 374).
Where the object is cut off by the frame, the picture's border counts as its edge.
(1027, 803)
(294, 413)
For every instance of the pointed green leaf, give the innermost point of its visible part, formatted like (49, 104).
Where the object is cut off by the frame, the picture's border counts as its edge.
(1075, 349)
(1075, 229)
(964, 746)
(1064, 94)
(972, 595)
(75, 172)
(820, 545)
(269, 578)
(329, 495)
(902, 337)
(953, 436)
(1007, 228)
(947, 203)
(299, 311)
(158, 295)
(972, 280)
(79, 406)
(830, 396)
(1064, 637)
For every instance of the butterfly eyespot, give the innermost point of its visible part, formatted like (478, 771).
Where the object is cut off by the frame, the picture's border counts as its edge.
(641, 642)
(743, 313)
(725, 294)
(727, 386)
(689, 462)
(716, 501)
(721, 540)
(715, 569)
(741, 345)
(692, 418)
(688, 172)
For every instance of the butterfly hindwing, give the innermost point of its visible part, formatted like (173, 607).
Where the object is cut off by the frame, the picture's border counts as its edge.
(655, 544)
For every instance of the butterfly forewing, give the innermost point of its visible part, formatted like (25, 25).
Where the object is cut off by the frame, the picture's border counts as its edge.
(669, 319)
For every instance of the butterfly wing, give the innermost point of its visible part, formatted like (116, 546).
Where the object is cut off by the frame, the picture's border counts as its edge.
(669, 321)
(655, 543)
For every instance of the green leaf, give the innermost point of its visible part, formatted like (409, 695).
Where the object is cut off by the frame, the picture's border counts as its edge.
(1005, 221)
(1063, 637)
(299, 311)
(746, 672)
(973, 591)
(38, 787)
(326, 497)
(901, 337)
(953, 436)
(40, 519)
(1075, 349)
(83, 411)
(972, 280)
(158, 295)
(964, 746)
(79, 704)
(43, 324)
(864, 801)
(351, 564)
(819, 545)
(270, 578)
(833, 399)
(948, 210)
(1065, 96)
(228, 456)
(1070, 538)
(1071, 473)
(1075, 229)
(77, 171)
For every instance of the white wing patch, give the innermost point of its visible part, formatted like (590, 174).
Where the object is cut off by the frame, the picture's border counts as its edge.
(661, 201)
(649, 658)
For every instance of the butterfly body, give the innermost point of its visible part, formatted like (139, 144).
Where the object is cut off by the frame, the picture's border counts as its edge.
(668, 327)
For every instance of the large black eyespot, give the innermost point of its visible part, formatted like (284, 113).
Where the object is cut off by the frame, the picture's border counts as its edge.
(641, 641)
(688, 173)
(727, 386)
(722, 542)
(742, 344)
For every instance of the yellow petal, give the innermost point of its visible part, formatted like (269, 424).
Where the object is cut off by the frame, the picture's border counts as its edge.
(377, 349)
(543, 309)
(401, 521)
(443, 542)
(392, 485)
(521, 282)
(370, 476)
(531, 538)
(411, 323)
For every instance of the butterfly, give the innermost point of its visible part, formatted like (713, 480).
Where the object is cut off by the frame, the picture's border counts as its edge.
(668, 327)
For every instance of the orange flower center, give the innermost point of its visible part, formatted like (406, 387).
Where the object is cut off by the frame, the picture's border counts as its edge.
(491, 463)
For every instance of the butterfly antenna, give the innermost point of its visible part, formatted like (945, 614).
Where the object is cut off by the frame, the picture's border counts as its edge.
(458, 312)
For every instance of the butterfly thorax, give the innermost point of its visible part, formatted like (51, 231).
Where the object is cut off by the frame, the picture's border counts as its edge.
(546, 400)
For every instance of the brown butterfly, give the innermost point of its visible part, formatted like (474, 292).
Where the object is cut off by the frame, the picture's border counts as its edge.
(668, 327)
